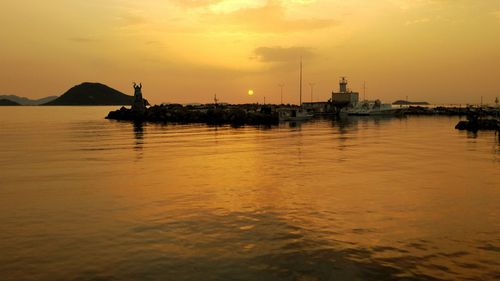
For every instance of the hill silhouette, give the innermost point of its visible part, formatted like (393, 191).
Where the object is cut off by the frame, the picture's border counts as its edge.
(27, 101)
(92, 94)
(6, 102)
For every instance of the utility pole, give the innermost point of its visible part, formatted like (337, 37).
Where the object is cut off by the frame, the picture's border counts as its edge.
(312, 90)
(281, 92)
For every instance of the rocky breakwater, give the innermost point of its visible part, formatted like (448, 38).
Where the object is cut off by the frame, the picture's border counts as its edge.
(236, 115)
(476, 122)
(440, 110)
(210, 114)
(452, 110)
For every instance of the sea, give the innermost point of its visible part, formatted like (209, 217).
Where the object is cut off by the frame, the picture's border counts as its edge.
(85, 198)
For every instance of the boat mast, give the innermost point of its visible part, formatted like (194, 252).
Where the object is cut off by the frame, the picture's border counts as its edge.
(300, 90)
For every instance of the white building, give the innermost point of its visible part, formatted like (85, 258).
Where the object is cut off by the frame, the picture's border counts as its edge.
(345, 96)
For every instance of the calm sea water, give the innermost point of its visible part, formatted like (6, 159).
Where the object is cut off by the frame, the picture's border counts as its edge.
(84, 198)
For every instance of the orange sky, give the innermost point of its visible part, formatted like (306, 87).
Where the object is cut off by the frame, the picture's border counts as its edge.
(441, 51)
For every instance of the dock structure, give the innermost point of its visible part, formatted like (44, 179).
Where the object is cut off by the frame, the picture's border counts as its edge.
(343, 98)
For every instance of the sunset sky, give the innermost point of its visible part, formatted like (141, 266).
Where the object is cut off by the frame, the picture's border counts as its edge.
(441, 51)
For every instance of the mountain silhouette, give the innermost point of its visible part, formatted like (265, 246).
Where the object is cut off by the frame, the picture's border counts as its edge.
(92, 94)
(6, 102)
(27, 101)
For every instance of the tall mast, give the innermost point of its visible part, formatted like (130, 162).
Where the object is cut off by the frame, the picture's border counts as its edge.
(300, 90)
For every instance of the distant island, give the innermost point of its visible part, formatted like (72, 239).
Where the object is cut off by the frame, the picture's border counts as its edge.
(92, 94)
(26, 101)
(404, 102)
(6, 102)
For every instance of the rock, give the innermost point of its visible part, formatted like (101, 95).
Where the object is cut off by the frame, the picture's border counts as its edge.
(213, 116)
(474, 124)
(462, 125)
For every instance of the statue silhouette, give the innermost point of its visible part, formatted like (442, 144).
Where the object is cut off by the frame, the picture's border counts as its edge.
(139, 104)
(138, 91)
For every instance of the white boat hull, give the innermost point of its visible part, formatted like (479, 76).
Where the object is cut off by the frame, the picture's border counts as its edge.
(367, 108)
(373, 112)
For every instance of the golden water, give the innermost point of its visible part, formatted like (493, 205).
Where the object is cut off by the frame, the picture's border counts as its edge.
(84, 198)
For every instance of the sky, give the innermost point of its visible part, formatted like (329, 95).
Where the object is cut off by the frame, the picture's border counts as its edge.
(440, 51)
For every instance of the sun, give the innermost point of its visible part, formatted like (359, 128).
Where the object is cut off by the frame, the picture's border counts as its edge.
(250, 92)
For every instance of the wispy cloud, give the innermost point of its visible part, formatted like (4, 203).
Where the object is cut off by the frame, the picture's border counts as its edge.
(194, 3)
(411, 4)
(270, 18)
(83, 39)
(131, 19)
(418, 21)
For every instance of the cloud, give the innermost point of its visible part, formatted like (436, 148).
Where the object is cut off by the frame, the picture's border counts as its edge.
(270, 18)
(413, 4)
(155, 43)
(282, 54)
(302, 2)
(417, 21)
(131, 19)
(83, 39)
(194, 3)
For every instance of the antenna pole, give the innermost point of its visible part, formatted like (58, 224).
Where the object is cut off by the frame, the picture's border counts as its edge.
(300, 90)
(281, 93)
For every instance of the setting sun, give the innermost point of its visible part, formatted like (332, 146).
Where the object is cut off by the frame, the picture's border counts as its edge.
(250, 92)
